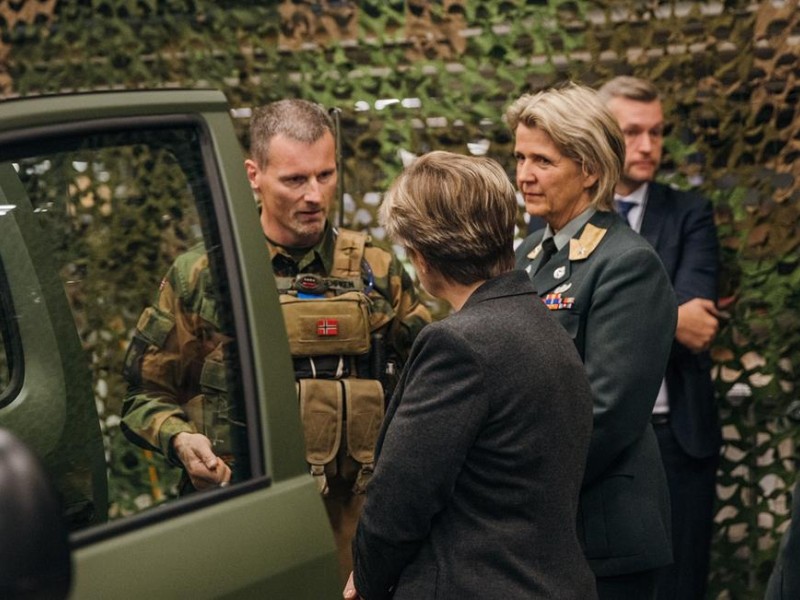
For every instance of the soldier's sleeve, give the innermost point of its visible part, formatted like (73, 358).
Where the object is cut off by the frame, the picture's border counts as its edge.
(411, 315)
(158, 369)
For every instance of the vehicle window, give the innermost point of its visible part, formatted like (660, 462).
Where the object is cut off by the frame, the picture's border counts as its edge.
(126, 219)
(7, 366)
(5, 372)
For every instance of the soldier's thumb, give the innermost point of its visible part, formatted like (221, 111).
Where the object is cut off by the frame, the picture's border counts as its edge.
(210, 461)
(208, 458)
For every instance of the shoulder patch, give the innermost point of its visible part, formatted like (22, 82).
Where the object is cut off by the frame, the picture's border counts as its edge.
(582, 247)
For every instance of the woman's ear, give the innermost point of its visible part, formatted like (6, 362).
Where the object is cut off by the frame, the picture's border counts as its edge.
(419, 262)
(589, 179)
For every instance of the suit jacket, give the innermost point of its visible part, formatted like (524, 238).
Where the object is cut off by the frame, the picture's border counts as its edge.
(610, 292)
(480, 460)
(680, 226)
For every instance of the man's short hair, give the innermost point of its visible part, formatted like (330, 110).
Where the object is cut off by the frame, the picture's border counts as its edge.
(458, 212)
(628, 87)
(297, 119)
(582, 129)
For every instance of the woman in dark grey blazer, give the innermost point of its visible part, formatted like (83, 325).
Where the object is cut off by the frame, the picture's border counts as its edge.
(481, 454)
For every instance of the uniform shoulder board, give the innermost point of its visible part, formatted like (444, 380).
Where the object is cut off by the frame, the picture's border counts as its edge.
(581, 248)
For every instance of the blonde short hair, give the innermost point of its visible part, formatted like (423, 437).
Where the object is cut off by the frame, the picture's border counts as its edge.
(582, 129)
(457, 212)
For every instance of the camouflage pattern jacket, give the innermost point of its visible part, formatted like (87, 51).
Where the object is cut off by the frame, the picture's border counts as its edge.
(175, 362)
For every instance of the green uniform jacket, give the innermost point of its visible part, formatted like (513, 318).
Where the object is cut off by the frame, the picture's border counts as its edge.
(611, 293)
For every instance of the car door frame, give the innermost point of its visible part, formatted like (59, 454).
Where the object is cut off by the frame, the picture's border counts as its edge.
(264, 534)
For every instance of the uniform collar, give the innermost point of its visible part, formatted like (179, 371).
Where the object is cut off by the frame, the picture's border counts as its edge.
(321, 252)
(570, 229)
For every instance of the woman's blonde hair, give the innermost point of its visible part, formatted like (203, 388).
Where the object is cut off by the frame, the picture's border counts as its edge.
(583, 130)
(457, 212)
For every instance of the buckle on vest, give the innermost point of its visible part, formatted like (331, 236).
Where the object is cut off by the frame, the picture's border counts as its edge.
(310, 283)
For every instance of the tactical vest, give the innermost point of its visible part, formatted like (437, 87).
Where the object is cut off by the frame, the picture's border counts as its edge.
(334, 353)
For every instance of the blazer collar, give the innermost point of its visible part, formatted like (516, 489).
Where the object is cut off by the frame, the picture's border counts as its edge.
(512, 283)
(655, 212)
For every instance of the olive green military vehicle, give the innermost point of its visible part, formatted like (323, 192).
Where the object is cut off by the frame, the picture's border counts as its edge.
(99, 193)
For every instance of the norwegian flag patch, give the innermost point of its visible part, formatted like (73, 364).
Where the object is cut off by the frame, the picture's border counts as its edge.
(327, 327)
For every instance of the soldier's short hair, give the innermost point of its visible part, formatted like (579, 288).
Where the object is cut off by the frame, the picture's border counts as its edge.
(457, 212)
(632, 88)
(582, 129)
(297, 119)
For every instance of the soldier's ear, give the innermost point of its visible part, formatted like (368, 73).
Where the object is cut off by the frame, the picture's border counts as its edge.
(253, 172)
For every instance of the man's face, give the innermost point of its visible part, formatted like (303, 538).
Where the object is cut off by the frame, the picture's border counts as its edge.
(642, 124)
(296, 188)
(554, 186)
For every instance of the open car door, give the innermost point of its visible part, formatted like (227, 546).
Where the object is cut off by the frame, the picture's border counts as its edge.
(99, 194)
(48, 399)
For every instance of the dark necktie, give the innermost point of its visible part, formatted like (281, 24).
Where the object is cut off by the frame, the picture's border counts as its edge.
(623, 208)
(548, 249)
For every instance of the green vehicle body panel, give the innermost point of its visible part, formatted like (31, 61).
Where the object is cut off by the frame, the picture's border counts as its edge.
(55, 404)
(271, 540)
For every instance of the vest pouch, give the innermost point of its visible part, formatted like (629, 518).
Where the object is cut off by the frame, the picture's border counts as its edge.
(325, 326)
(321, 411)
(364, 400)
(218, 419)
(210, 411)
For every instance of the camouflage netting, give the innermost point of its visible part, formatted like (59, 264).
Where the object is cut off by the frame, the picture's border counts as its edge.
(416, 75)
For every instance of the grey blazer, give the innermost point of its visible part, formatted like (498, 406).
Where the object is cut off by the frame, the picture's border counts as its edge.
(610, 292)
(480, 460)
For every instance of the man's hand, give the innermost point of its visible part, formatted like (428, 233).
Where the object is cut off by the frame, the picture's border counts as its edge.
(204, 468)
(350, 592)
(697, 324)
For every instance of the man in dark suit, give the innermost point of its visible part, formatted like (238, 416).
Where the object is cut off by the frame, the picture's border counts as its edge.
(680, 226)
(610, 292)
(480, 458)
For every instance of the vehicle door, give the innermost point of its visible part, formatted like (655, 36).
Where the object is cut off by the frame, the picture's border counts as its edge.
(99, 195)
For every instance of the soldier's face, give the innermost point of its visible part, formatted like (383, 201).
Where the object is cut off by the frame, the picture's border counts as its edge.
(296, 187)
(642, 124)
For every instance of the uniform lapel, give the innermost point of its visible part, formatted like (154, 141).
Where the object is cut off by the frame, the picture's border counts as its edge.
(560, 268)
(557, 270)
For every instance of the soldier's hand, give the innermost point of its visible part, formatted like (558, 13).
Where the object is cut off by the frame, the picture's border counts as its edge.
(204, 468)
(698, 323)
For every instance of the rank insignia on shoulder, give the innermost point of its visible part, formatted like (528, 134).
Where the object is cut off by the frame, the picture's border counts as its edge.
(327, 327)
(582, 247)
(557, 302)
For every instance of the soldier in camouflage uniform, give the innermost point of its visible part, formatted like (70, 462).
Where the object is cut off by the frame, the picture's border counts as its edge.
(176, 377)
(351, 312)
